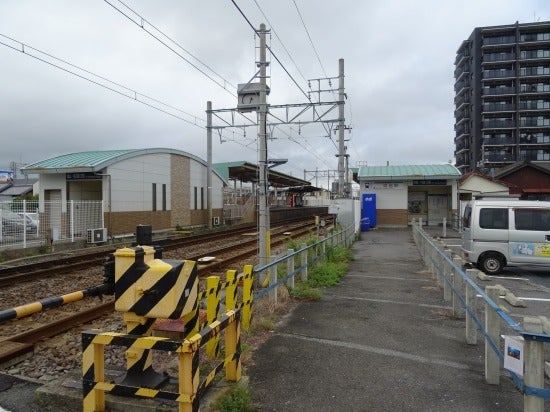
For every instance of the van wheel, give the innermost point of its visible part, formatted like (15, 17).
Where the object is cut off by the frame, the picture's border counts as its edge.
(491, 263)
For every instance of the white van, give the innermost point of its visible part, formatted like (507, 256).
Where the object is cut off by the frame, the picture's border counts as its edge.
(497, 233)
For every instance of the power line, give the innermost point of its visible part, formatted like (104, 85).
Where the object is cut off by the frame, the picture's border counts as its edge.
(280, 41)
(270, 50)
(157, 37)
(126, 91)
(310, 40)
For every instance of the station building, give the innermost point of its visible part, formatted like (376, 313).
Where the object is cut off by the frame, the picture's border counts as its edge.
(403, 193)
(159, 187)
(111, 192)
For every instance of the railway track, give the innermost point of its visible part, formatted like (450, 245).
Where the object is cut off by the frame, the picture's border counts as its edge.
(14, 346)
(70, 262)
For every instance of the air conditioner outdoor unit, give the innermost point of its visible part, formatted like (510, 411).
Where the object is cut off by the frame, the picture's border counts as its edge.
(97, 235)
(216, 221)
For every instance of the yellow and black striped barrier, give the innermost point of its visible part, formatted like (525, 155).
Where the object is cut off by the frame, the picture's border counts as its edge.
(52, 302)
(146, 289)
(190, 388)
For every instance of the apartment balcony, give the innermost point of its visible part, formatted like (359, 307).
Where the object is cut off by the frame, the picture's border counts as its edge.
(535, 139)
(535, 105)
(498, 124)
(534, 37)
(496, 107)
(461, 70)
(498, 141)
(534, 88)
(497, 91)
(462, 106)
(498, 57)
(459, 86)
(535, 122)
(538, 71)
(462, 147)
(462, 130)
(534, 54)
(498, 74)
(498, 157)
(497, 41)
(540, 155)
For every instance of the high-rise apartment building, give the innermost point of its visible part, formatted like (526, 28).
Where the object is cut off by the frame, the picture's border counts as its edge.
(502, 96)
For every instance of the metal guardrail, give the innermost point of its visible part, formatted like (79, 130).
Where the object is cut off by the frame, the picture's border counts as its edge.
(308, 255)
(461, 288)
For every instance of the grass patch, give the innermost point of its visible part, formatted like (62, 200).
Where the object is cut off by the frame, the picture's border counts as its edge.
(236, 399)
(332, 269)
(303, 291)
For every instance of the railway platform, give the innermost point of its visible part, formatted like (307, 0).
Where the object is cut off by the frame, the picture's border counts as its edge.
(382, 340)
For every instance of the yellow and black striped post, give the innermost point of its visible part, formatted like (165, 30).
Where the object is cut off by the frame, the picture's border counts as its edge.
(146, 289)
(213, 312)
(247, 296)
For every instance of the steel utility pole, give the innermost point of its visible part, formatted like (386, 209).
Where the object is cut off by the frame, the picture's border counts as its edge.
(341, 129)
(209, 162)
(263, 210)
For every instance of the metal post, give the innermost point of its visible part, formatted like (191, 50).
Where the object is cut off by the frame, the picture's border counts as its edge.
(303, 264)
(209, 162)
(471, 330)
(272, 273)
(263, 207)
(290, 268)
(492, 326)
(458, 284)
(444, 227)
(341, 126)
(534, 365)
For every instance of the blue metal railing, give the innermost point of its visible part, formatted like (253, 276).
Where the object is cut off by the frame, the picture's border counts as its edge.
(342, 237)
(457, 270)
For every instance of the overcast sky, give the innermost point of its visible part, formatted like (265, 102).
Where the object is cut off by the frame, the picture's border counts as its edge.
(399, 62)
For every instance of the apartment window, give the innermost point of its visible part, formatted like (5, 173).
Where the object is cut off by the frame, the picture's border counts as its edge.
(196, 198)
(154, 197)
(164, 197)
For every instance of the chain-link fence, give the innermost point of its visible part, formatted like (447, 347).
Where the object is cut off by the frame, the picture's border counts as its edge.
(28, 223)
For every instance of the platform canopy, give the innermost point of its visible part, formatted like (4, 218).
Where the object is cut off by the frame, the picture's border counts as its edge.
(249, 172)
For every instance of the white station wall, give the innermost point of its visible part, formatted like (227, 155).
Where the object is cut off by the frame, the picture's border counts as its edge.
(132, 182)
(198, 179)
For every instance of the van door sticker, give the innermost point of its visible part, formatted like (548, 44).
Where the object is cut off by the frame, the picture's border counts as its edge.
(531, 249)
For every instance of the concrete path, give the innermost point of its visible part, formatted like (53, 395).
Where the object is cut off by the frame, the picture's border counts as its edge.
(382, 340)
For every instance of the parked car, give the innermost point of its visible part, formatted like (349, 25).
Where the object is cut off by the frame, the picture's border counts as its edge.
(497, 233)
(32, 219)
(13, 224)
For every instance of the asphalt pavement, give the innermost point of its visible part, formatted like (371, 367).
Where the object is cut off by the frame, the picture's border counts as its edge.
(382, 340)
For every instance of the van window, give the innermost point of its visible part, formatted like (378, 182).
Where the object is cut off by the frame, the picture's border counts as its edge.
(493, 218)
(467, 216)
(532, 219)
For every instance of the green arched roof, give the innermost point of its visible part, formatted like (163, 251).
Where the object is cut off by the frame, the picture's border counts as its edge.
(95, 161)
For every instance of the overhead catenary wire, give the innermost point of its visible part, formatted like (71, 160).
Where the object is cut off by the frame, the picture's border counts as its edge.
(309, 37)
(126, 91)
(164, 43)
(282, 66)
(280, 40)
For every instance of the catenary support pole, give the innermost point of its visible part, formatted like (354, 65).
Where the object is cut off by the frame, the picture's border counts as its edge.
(263, 207)
(341, 127)
(209, 162)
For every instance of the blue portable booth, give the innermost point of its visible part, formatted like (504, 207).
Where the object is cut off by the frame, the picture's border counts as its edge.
(368, 211)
